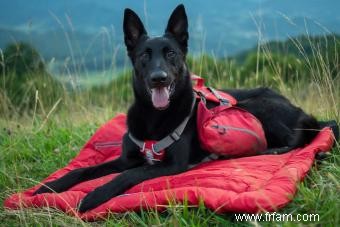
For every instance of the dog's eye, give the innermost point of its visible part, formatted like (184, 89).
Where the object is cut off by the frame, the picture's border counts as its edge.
(170, 54)
(144, 56)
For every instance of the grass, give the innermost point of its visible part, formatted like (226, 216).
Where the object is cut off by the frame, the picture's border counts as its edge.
(35, 143)
(29, 155)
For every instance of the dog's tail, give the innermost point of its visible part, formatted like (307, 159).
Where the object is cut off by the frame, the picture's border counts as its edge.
(307, 127)
(310, 128)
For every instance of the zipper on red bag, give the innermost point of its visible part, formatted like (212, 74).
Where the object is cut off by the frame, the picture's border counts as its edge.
(222, 129)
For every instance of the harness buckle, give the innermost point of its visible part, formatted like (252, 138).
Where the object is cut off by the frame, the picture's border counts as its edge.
(224, 102)
(175, 136)
(150, 154)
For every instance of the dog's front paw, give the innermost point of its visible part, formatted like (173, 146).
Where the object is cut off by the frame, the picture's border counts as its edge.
(42, 189)
(89, 202)
(48, 187)
(96, 198)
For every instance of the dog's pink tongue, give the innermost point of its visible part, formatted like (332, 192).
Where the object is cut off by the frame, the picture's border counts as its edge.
(160, 97)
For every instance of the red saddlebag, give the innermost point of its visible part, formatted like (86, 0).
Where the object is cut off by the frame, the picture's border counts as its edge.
(226, 129)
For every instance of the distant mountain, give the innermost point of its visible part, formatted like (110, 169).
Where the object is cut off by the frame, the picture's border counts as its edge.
(89, 32)
(85, 50)
(301, 47)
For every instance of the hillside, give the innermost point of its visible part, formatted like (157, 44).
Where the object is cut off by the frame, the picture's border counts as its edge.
(301, 47)
(88, 33)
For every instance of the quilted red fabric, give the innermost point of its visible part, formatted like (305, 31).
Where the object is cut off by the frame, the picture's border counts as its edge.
(250, 184)
(229, 131)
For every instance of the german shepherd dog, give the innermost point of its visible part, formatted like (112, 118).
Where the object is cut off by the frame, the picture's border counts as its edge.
(163, 99)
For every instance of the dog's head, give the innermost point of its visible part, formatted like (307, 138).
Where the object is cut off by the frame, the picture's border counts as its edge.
(159, 62)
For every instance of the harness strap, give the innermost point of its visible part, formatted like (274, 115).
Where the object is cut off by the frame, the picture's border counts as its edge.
(168, 140)
(138, 142)
(223, 101)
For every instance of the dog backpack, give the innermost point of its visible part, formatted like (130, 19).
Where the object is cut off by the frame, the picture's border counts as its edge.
(226, 130)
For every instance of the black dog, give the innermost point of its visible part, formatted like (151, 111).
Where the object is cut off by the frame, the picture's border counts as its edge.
(164, 100)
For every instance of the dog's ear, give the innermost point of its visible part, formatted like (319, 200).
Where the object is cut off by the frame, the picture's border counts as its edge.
(178, 27)
(133, 29)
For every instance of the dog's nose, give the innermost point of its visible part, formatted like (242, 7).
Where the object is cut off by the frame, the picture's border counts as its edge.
(158, 76)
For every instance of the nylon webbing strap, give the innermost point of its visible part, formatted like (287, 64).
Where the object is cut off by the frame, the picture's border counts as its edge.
(222, 100)
(139, 143)
(170, 139)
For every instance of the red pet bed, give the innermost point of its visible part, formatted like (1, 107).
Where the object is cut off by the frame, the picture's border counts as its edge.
(250, 184)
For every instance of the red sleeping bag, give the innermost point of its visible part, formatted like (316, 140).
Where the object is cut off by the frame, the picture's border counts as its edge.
(250, 184)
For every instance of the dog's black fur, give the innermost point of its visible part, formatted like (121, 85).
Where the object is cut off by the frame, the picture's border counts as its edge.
(160, 62)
